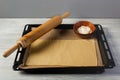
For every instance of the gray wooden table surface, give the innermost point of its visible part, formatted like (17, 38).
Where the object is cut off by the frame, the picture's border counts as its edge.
(11, 30)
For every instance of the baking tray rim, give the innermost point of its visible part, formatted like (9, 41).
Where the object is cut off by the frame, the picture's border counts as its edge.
(108, 61)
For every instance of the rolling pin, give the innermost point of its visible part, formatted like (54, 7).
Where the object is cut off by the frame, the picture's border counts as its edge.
(28, 38)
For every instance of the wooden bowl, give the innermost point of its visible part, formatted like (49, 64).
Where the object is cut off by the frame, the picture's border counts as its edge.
(84, 23)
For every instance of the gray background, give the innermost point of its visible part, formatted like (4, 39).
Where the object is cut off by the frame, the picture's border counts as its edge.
(48, 8)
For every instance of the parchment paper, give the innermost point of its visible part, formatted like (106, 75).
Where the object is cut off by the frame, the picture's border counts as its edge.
(62, 48)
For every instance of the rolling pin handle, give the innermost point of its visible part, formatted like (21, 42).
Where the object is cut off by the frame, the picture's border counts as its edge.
(12, 49)
(66, 14)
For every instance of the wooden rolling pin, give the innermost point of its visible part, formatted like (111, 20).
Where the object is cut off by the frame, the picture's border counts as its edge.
(36, 33)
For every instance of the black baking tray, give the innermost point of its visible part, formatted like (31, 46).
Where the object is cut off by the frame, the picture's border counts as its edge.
(106, 54)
